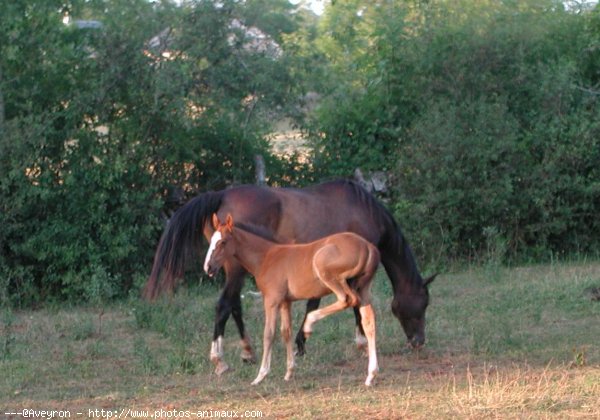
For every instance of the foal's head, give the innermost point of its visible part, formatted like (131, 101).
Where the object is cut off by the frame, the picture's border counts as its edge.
(219, 251)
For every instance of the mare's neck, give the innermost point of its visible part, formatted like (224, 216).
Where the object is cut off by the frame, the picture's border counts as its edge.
(250, 250)
(402, 270)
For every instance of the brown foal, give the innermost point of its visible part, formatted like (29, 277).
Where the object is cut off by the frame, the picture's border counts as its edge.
(342, 263)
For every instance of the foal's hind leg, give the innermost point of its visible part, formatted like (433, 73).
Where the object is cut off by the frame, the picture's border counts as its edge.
(314, 316)
(367, 315)
(344, 301)
(368, 322)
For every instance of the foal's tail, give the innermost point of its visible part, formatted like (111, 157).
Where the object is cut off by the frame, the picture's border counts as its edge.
(182, 236)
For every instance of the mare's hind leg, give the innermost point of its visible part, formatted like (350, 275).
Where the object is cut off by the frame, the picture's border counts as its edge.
(360, 339)
(311, 305)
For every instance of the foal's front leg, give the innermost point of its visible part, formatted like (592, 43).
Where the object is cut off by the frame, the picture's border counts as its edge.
(269, 332)
(286, 335)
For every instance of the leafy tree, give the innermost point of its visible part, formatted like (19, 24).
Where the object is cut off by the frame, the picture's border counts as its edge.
(484, 114)
(104, 115)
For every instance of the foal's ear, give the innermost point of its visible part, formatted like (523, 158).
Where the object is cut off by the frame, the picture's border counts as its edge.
(229, 222)
(429, 280)
(215, 221)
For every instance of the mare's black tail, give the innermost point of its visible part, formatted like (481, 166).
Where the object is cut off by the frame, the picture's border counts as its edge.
(182, 236)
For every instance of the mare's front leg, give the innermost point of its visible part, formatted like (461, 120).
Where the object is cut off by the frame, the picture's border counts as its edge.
(236, 310)
(311, 305)
(229, 303)
(268, 334)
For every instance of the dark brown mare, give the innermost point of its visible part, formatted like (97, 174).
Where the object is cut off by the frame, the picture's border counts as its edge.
(343, 263)
(292, 216)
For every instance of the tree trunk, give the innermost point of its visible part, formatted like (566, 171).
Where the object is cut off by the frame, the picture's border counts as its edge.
(1, 105)
(260, 170)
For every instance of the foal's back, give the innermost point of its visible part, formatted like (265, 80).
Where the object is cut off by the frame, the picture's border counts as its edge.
(295, 270)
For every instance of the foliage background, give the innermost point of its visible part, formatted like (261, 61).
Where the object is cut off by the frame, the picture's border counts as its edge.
(484, 115)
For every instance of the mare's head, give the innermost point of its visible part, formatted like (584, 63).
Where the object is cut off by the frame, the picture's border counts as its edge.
(220, 247)
(410, 310)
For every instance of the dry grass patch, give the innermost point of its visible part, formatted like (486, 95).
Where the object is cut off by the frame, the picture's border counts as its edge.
(522, 344)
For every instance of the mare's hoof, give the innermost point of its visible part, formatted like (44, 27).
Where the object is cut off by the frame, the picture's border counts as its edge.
(221, 368)
(249, 360)
(248, 356)
(361, 345)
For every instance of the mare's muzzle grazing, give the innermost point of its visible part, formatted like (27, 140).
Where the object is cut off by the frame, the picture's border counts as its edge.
(410, 311)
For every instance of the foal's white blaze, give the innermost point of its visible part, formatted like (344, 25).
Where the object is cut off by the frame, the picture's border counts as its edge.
(213, 244)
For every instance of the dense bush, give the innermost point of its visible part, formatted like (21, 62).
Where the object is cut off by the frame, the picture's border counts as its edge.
(101, 120)
(484, 113)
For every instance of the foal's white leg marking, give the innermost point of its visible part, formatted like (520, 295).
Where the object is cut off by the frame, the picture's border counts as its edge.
(214, 240)
(216, 356)
(368, 322)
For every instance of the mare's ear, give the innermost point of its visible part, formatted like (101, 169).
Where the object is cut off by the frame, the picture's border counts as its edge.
(429, 280)
(229, 222)
(215, 221)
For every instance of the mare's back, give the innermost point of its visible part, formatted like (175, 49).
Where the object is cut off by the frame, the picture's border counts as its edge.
(313, 213)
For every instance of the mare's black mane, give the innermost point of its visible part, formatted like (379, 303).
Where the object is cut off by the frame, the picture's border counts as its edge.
(257, 230)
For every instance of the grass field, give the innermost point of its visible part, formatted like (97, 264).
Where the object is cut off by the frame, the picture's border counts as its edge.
(502, 343)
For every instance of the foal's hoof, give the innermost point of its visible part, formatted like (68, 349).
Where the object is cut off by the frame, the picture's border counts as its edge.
(369, 381)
